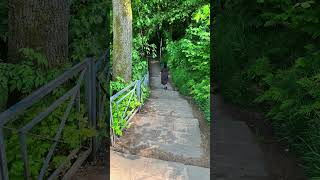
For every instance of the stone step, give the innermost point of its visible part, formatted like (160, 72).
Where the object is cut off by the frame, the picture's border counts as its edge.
(155, 82)
(165, 94)
(126, 167)
(172, 136)
(145, 118)
(169, 107)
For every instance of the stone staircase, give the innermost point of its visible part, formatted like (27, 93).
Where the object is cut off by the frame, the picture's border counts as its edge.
(164, 141)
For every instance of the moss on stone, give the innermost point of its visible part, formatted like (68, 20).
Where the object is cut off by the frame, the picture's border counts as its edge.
(127, 11)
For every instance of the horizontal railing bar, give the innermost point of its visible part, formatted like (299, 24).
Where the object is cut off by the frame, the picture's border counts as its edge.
(53, 106)
(133, 93)
(40, 93)
(122, 91)
(82, 157)
(134, 112)
(60, 168)
(58, 134)
(123, 97)
(59, 131)
(41, 137)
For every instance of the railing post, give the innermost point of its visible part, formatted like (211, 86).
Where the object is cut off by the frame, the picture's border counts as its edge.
(91, 104)
(112, 137)
(139, 92)
(3, 159)
(24, 154)
(147, 79)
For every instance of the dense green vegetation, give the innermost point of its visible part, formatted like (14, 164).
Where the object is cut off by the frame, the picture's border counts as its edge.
(87, 36)
(267, 54)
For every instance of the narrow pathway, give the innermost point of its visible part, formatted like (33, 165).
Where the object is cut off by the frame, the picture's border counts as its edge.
(236, 154)
(163, 142)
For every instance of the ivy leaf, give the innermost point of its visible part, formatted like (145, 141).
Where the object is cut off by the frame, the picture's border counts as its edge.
(305, 5)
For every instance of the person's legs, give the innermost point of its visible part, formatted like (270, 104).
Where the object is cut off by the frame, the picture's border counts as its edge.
(166, 82)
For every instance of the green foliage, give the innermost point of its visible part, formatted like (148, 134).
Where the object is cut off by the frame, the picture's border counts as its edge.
(154, 18)
(119, 120)
(24, 78)
(87, 36)
(129, 104)
(88, 28)
(40, 138)
(189, 60)
(260, 64)
(139, 63)
(27, 76)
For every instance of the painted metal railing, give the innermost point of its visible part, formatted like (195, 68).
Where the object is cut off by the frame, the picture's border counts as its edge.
(134, 90)
(95, 96)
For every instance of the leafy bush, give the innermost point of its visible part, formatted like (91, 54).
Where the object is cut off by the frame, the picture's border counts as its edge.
(25, 78)
(87, 28)
(87, 36)
(260, 64)
(127, 106)
(294, 97)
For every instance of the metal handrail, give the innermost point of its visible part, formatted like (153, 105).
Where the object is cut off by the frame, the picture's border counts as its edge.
(133, 89)
(88, 70)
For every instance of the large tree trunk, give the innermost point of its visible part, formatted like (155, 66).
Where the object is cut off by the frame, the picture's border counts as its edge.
(122, 39)
(39, 24)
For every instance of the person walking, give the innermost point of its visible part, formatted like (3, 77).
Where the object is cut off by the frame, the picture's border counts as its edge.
(164, 76)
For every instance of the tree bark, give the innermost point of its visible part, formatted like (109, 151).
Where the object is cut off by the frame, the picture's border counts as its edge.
(39, 24)
(122, 39)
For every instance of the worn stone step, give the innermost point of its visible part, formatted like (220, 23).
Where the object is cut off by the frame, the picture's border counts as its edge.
(155, 82)
(169, 107)
(158, 120)
(165, 135)
(165, 94)
(126, 167)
